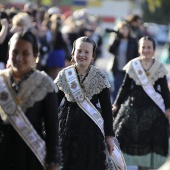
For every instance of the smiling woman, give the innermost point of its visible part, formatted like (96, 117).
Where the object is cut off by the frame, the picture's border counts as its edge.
(83, 143)
(141, 110)
(22, 56)
(83, 56)
(29, 128)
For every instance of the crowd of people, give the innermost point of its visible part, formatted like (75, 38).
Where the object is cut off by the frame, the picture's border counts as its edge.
(55, 32)
(56, 111)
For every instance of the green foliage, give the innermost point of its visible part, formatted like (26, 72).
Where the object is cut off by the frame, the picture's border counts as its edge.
(156, 11)
(153, 4)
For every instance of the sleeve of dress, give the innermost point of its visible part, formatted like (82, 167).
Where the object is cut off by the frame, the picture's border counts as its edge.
(123, 91)
(50, 108)
(60, 96)
(165, 91)
(113, 46)
(106, 110)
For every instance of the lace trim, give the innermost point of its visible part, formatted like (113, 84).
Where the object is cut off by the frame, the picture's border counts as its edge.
(157, 71)
(94, 83)
(32, 90)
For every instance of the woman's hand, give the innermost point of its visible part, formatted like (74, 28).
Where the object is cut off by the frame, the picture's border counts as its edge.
(114, 109)
(110, 144)
(167, 114)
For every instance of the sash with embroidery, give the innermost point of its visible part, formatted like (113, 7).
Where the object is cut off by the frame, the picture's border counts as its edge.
(20, 123)
(85, 104)
(147, 86)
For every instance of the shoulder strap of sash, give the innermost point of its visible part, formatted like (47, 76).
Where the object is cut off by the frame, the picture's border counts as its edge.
(20, 123)
(83, 102)
(147, 86)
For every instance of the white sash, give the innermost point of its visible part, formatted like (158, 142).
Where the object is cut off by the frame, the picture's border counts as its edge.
(85, 104)
(21, 124)
(147, 86)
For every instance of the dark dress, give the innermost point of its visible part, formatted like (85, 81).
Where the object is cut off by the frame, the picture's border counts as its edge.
(4, 50)
(140, 125)
(14, 152)
(82, 142)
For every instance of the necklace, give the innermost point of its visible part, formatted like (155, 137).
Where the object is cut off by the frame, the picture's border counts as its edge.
(16, 84)
(82, 76)
(147, 70)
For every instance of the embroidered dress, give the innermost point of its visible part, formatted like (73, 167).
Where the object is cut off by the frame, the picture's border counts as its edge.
(36, 97)
(82, 142)
(140, 125)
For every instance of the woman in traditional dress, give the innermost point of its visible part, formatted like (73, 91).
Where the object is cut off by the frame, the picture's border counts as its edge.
(28, 100)
(82, 142)
(141, 109)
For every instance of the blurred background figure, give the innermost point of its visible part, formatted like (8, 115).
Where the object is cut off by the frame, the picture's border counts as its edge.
(4, 38)
(93, 30)
(21, 21)
(124, 47)
(135, 21)
(165, 54)
(56, 58)
(31, 9)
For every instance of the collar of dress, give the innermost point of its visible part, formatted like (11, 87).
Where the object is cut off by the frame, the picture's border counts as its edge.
(157, 71)
(32, 90)
(94, 83)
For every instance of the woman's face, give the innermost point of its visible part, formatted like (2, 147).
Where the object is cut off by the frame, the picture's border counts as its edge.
(146, 48)
(21, 56)
(83, 53)
(124, 31)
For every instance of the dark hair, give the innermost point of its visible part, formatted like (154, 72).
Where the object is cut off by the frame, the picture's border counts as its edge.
(27, 36)
(3, 15)
(122, 24)
(84, 39)
(133, 18)
(149, 39)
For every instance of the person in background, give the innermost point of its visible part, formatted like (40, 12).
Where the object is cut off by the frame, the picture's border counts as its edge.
(21, 21)
(135, 22)
(93, 30)
(142, 110)
(29, 120)
(57, 55)
(4, 38)
(31, 9)
(124, 47)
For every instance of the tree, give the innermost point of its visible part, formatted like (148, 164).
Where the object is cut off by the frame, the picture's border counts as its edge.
(153, 4)
(156, 11)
